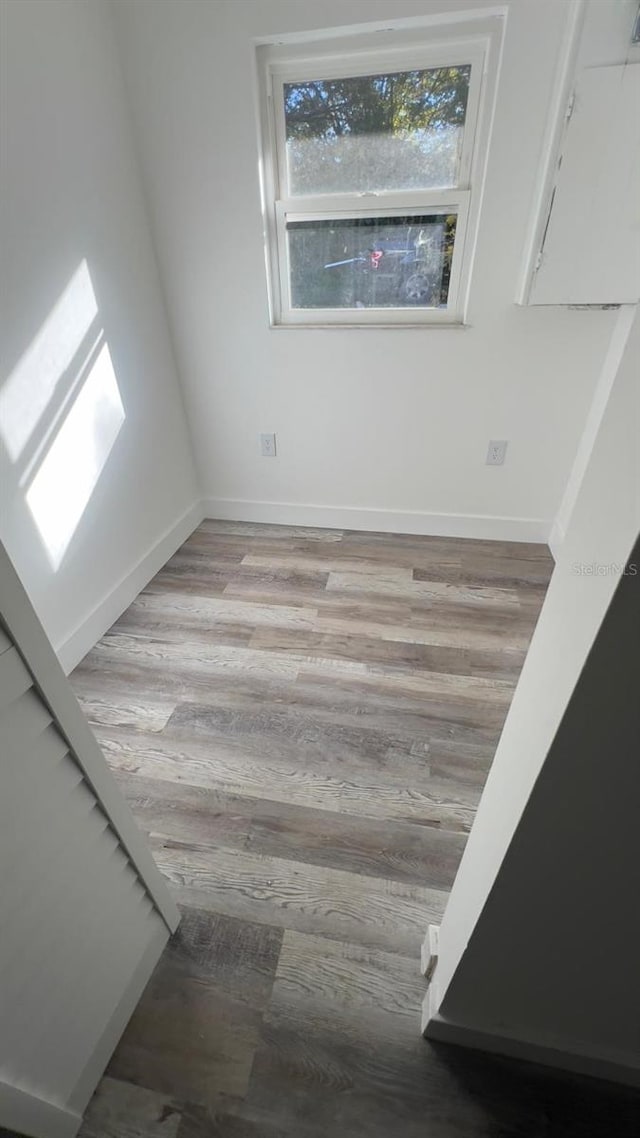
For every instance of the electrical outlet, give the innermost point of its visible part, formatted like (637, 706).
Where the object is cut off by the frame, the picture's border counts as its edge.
(497, 452)
(268, 446)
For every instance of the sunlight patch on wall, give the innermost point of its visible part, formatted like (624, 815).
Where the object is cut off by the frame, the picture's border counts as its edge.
(64, 482)
(27, 392)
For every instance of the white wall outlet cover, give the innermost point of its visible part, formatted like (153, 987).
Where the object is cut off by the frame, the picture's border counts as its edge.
(497, 452)
(268, 445)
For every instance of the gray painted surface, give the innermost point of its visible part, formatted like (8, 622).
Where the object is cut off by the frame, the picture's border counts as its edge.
(566, 897)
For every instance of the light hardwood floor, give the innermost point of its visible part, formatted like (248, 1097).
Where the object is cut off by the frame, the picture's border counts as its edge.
(303, 721)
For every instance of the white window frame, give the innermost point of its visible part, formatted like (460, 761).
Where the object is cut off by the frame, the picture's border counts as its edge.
(297, 62)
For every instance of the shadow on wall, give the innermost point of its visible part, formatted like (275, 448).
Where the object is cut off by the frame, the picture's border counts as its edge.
(60, 415)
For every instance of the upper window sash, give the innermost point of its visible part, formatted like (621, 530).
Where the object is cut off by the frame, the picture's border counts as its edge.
(457, 54)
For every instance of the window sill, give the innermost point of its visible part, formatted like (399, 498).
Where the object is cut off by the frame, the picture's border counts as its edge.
(450, 325)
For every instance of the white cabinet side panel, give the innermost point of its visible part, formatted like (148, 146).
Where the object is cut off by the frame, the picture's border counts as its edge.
(591, 252)
(79, 930)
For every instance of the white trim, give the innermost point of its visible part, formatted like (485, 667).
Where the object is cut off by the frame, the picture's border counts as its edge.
(556, 539)
(617, 1067)
(480, 34)
(386, 203)
(483, 526)
(608, 372)
(352, 63)
(432, 326)
(24, 1112)
(403, 27)
(554, 134)
(430, 202)
(38, 1118)
(90, 629)
(124, 1009)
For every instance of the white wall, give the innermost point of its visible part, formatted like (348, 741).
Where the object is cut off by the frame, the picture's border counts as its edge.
(544, 907)
(598, 406)
(394, 422)
(71, 193)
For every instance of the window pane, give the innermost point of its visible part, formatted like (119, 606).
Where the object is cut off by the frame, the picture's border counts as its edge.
(401, 131)
(371, 262)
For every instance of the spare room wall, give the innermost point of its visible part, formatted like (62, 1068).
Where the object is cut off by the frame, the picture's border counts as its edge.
(385, 428)
(95, 461)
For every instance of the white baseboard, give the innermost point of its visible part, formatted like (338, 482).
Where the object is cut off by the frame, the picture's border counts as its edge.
(556, 538)
(124, 1009)
(25, 1113)
(483, 526)
(618, 1068)
(72, 650)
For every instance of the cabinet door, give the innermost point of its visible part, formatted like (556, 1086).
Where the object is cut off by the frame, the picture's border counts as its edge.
(591, 249)
(84, 911)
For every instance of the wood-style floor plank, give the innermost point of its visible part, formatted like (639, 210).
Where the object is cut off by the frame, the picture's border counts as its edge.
(124, 1110)
(326, 785)
(302, 722)
(310, 898)
(201, 817)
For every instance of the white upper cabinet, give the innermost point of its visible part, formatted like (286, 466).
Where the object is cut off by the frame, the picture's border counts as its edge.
(590, 251)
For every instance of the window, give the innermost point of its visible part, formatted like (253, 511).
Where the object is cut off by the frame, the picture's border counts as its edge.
(370, 174)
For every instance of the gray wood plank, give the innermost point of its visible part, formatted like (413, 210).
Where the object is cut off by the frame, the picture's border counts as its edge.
(194, 1034)
(342, 906)
(122, 1110)
(199, 817)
